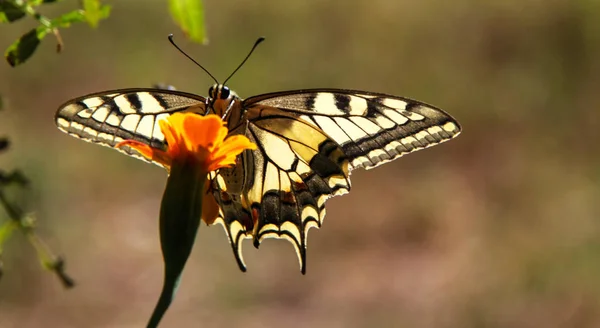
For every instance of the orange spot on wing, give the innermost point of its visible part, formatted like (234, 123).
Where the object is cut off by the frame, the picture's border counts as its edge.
(288, 198)
(300, 186)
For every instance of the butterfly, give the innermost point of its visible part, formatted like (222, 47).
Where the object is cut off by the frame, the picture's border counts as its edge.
(308, 142)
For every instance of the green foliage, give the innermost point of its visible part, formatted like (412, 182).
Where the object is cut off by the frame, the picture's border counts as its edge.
(18, 52)
(69, 18)
(189, 15)
(94, 11)
(10, 12)
(6, 229)
(23, 48)
(19, 220)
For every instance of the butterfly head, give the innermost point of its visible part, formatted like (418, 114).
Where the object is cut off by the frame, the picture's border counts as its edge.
(221, 99)
(220, 92)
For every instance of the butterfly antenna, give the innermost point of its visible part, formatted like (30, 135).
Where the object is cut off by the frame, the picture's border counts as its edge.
(258, 41)
(190, 58)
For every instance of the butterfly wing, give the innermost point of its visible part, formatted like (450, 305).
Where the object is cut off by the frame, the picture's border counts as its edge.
(109, 117)
(308, 141)
(371, 128)
(294, 169)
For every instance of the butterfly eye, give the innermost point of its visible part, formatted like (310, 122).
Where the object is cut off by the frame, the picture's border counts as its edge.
(225, 93)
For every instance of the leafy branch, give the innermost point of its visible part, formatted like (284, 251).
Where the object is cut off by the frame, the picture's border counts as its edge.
(25, 222)
(188, 14)
(18, 52)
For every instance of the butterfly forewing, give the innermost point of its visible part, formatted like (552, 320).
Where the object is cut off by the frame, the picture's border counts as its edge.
(371, 128)
(109, 117)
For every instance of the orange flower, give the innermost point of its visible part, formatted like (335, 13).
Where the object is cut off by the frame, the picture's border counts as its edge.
(192, 137)
(196, 145)
(197, 141)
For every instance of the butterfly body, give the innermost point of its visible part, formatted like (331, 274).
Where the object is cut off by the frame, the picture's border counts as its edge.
(308, 143)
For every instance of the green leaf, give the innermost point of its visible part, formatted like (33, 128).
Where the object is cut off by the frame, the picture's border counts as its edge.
(9, 12)
(94, 11)
(69, 18)
(35, 3)
(189, 15)
(6, 230)
(18, 52)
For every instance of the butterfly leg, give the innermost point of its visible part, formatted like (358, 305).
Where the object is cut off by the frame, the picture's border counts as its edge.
(228, 110)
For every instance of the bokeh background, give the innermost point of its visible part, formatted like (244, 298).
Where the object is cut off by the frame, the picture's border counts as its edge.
(498, 228)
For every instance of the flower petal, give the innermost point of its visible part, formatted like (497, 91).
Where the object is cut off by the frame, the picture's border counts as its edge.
(234, 145)
(170, 130)
(223, 161)
(210, 208)
(150, 153)
(203, 132)
(227, 153)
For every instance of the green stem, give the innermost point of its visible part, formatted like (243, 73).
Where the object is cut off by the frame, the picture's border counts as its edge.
(180, 213)
(48, 259)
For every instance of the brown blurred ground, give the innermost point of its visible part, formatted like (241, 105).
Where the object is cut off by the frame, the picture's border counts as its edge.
(498, 228)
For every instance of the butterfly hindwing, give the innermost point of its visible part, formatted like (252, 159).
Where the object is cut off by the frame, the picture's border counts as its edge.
(108, 117)
(294, 170)
(371, 128)
(236, 219)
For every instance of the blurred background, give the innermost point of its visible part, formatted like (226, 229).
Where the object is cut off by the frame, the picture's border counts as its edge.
(498, 228)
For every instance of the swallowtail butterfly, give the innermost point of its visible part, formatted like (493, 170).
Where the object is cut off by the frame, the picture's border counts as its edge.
(308, 143)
